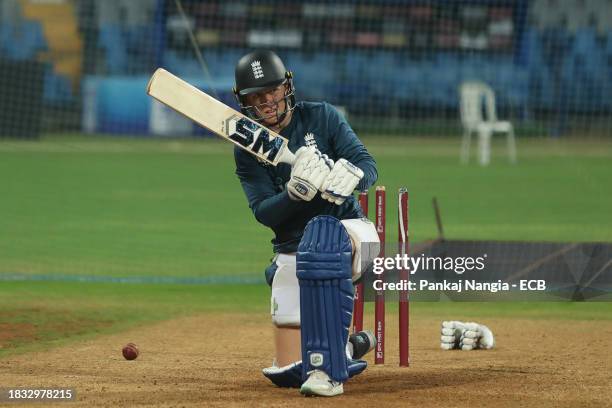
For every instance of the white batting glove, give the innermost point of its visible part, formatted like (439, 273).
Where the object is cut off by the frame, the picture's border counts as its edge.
(451, 334)
(476, 336)
(308, 173)
(466, 336)
(341, 182)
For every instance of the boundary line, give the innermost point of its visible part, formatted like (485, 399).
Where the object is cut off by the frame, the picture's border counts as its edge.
(193, 280)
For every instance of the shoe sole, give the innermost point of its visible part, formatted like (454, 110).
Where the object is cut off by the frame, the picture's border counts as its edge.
(309, 392)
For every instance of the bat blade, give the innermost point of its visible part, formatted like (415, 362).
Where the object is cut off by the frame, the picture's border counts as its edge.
(219, 118)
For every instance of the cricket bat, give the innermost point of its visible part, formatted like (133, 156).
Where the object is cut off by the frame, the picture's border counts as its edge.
(219, 118)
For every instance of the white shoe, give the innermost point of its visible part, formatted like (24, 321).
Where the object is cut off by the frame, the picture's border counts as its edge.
(319, 383)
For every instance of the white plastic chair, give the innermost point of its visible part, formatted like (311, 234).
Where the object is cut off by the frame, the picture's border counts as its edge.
(472, 95)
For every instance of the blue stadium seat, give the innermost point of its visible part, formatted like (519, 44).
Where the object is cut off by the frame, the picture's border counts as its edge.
(6, 37)
(607, 52)
(587, 47)
(138, 38)
(381, 72)
(608, 44)
(325, 60)
(171, 61)
(518, 89)
(469, 71)
(348, 85)
(180, 65)
(57, 88)
(541, 89)
(316, 70)
(355, 65)
(218, 63)
(532, 45)
(584, 72)
(447, 58)
(384, 65)
(511, 83)
(111, 39)
(539, 82)
(22, 41)
(292, 59)
(353, 96)
(226, 61)
(443, 83)
(413, 82)
(585, 42)
(138, 41)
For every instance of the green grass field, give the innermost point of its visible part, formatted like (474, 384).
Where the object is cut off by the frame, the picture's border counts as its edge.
(77, 206)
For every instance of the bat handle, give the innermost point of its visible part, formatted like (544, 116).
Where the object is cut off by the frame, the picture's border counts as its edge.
(287, 156)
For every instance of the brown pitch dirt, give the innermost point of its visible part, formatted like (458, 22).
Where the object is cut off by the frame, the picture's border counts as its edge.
(215, 360)
(11, 332)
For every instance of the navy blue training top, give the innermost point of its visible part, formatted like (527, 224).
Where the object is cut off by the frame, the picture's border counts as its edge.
(316, 124)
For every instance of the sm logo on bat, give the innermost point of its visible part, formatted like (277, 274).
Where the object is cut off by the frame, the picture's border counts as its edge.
(252, 137)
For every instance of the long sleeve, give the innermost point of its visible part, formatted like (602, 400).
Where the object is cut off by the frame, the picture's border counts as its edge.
(270, 204)
(347, 145)
(313, 124)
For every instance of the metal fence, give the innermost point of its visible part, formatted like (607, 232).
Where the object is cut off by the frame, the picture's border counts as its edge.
(394, 66)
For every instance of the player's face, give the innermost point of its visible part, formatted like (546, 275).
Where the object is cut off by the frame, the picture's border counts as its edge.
(270, 104)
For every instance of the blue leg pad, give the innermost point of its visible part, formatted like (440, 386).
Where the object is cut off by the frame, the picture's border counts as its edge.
(326, 296)
(289, 376)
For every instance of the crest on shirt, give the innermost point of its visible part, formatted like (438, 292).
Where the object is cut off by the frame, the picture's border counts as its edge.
(309, 140)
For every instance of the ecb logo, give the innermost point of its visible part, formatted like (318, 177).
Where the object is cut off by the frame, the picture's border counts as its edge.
(316, 359)
(301, 188)
(254, 138)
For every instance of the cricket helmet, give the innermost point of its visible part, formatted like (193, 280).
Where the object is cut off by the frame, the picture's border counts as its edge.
(259, 71)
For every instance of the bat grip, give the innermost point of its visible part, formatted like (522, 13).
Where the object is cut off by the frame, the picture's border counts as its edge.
(287, 156)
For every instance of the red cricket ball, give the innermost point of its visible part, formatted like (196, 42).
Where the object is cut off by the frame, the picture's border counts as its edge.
(130, 351)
